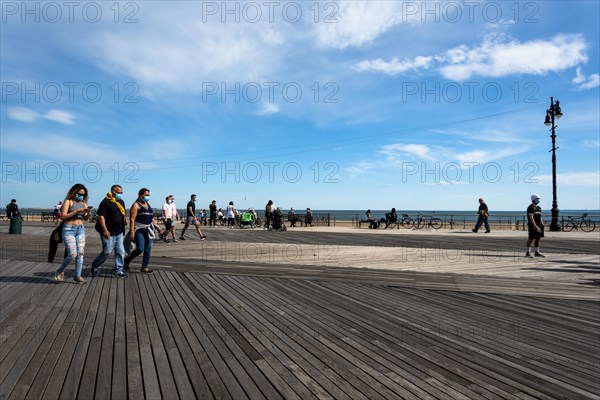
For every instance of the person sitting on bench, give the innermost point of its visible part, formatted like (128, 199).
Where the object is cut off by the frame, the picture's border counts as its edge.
(391, 218)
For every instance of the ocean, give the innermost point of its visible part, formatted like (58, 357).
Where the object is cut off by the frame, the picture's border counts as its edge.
(353, 215)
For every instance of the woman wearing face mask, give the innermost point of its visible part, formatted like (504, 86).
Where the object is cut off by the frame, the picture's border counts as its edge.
(140, 221)
(74, 212)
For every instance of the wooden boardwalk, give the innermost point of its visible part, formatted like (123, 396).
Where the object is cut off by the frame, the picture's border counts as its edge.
(192, 333)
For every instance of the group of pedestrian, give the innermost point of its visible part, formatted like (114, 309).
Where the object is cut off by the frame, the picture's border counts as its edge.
(110, 224)
(535, 224)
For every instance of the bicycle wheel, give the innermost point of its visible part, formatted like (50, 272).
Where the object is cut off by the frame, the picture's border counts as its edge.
(436, 223)
(587, 225)
(420, 224)
(568, 226)
(407, 223)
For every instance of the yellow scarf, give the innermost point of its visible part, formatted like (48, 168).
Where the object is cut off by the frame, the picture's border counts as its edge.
(110, 197)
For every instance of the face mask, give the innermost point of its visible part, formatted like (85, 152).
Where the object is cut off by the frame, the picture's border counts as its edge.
(536, 201)
(171, 201)
(78, 197)
(118, 196)
(146, 198)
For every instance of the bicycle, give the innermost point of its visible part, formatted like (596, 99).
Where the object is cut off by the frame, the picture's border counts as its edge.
(586, 225)
(433, 222)
(406, 221)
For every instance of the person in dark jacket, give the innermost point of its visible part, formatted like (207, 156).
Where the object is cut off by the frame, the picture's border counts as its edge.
(110, 224)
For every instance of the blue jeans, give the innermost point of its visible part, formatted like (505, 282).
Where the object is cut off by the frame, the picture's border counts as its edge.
(143, 244)
(108, 245)
(479, 222)
(74, 240)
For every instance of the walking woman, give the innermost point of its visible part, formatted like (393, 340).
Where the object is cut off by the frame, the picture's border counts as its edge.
(74, 213)
(142, 232)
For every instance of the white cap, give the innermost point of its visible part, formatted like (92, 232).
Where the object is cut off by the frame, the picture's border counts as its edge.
(535, 196)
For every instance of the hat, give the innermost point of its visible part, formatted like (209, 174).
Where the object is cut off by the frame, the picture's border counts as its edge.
(534, 197)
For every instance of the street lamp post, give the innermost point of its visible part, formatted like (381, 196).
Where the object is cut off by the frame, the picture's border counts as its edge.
(553, 112)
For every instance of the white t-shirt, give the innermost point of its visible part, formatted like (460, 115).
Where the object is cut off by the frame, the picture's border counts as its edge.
(230, 213)
(170, 210)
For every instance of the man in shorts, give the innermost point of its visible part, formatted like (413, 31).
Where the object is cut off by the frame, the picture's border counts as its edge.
(535, 225)
(191, 218)
(170, 215)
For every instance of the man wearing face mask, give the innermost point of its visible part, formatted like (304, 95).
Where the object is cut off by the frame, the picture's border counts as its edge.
(111, 227)
(535, 225)
(191, 218)
(170, 215)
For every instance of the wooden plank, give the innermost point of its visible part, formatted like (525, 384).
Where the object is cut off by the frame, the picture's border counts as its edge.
(152, 389)
(274, 360)
(511, 348)
(167, 384)
(177, 367)
(94, 349)
(105, 362)
(79, 312)
(237, 359)
(180, 329)
(285, 341)
(35, 344)
(73, 379)
(314, 346)
(211, 340)
(135, 383)
(119, 367)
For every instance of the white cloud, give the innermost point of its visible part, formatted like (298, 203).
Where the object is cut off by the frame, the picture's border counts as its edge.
(61, 117)
(584, 82)
(25, 114)
(407, 151)
(268, 109)
(22, 114)
(395, 66)
(594, 144)
(495, 57)
(358, 23)
(591, 179)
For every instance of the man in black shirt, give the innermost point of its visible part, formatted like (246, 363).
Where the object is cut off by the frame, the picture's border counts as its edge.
(111, 227)
(535, 225)
(191, 218)
(12, 210)
(482, 217)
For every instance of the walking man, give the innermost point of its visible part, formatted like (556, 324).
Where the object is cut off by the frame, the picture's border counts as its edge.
(191, 218)
(111, 226)
(535, 225)
(170, 214)
(482, 217)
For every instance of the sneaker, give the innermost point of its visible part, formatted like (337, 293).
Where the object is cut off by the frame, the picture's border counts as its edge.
(528, 254)
(94, 271)
(120, 274)
(174, 240)
(538, 254)
(78, 279)
(473, 230)
(203, 237)
(167, 240)
(181, 238)
(59, 276)
(488, 231)
(146, 270)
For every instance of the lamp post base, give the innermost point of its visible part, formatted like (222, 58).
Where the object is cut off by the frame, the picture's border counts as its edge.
(554, 224)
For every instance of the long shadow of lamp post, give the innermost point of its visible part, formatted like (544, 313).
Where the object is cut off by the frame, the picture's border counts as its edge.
(553, 112)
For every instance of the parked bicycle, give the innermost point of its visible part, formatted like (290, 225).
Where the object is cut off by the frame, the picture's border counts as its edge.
(434, 222)
(406, 221)
(584, 223)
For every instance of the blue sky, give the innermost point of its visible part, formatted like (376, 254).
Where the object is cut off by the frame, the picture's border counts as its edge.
(329, 105)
